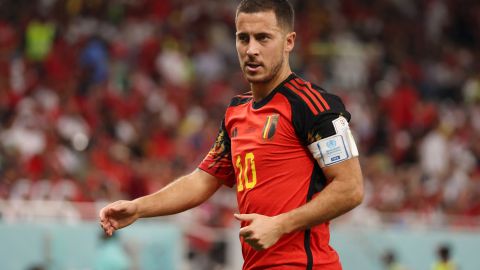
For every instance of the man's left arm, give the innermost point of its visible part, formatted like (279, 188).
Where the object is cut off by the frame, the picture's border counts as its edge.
(343, 193)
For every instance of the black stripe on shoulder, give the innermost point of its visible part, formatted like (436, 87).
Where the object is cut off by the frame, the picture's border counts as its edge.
(319, 89)
(303, 82)
(241, 99)
(298, 101)
(314, 86)
(331, 102)
(298, 108)
(293, 96)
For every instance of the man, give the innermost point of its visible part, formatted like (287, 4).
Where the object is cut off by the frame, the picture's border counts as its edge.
(444, 261)
(389, 260)
(287, 147)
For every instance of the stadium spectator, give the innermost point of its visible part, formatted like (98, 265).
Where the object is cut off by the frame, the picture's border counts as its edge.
(390, 262)
(444, 259)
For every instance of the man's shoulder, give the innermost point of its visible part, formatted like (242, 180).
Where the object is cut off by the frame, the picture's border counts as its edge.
(241, 99)
(314, 98)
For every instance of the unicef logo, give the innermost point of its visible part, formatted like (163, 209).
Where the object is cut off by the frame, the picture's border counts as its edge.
(331, 144)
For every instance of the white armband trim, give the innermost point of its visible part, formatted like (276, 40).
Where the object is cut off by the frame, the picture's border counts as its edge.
(336, 148)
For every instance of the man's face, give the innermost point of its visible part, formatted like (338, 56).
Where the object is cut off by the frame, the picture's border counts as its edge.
(261, 46)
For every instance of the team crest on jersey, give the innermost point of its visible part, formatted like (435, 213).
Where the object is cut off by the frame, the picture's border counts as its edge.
(270, 127)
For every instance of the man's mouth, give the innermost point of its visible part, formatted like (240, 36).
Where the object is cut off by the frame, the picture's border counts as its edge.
(252, 66)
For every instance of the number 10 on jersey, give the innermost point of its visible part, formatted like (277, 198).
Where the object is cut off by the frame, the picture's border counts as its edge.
(247, 174)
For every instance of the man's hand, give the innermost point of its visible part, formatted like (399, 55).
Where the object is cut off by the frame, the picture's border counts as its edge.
(262, 232)
(118, 215)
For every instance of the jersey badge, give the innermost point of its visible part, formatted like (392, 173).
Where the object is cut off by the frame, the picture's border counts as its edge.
(270, 127)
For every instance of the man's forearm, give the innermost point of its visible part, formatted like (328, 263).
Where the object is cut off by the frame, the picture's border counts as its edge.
(182, 194)
(336, 199)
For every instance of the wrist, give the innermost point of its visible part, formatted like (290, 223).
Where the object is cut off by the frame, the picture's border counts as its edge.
(283, 223)
(137, 209)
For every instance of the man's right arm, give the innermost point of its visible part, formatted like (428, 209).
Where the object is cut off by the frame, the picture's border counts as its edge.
(182, 194)
(185, 193)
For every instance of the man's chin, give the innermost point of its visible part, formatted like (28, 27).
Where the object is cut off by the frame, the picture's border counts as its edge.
(255, 78)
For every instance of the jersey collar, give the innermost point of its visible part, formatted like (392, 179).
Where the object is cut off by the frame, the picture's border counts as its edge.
(264, 101)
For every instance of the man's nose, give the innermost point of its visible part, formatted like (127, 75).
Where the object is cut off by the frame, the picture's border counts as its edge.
(252, 49)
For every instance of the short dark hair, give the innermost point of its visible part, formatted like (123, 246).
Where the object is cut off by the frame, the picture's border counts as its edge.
(282, 8)
(444, 252)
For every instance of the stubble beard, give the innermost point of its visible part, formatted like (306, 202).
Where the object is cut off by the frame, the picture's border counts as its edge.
(269, 77)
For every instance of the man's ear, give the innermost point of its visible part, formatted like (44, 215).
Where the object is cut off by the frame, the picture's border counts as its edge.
(290, 41)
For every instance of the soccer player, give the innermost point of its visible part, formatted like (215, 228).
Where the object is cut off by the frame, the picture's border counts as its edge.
(286, 146)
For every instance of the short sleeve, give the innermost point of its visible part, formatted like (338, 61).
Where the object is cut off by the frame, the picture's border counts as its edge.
(327, 134)
(218, 161)
(312, 127)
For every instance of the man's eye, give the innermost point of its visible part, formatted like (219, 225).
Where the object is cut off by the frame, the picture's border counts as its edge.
(243, 38)
(262, 38)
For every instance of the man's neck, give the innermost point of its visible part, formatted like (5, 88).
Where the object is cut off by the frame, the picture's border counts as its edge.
(261, 90)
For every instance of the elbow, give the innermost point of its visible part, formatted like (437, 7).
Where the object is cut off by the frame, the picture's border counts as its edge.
(358, 197)
(357, 194)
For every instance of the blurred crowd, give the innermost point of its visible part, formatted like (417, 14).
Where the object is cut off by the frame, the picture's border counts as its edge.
(101, 100)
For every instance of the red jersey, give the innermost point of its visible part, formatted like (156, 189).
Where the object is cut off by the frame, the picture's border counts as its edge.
(262, 149)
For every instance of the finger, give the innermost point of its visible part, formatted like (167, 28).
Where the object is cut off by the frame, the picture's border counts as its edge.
(114, 224)
(107, 210)
(102, 214)
(254, 244)
(109, 223)
(105, 227)
(110, 230)
(246, 232)
(105, 222)
(245, 217)
(257, 247)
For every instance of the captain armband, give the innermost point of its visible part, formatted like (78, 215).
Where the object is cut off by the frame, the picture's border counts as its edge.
(336, 148)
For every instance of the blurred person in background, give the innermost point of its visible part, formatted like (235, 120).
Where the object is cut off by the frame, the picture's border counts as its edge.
(444, 259)
(390, 262)
(287, 147)
(37, 267)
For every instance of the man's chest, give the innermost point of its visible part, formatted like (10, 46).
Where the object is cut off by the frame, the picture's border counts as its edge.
(267, 157)
(264, 131)
(263, 143)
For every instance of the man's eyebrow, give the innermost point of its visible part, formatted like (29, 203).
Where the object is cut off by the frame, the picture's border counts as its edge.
(266, 33)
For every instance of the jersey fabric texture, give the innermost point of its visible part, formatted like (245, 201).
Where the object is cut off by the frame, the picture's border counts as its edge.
(262, 149)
